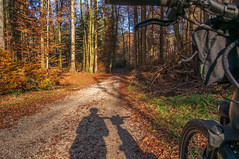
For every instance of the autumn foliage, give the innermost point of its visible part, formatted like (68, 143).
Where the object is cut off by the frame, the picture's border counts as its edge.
(24, 74)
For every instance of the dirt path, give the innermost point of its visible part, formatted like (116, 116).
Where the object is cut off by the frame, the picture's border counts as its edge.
(92, 123)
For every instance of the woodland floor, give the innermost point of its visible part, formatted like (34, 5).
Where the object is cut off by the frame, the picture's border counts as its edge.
(92, 122)
(93, 116)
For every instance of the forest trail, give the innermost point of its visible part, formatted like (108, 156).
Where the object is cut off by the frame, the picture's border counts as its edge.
(93, 122)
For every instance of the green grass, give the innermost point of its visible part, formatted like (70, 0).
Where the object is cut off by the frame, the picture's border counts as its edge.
(172, 113)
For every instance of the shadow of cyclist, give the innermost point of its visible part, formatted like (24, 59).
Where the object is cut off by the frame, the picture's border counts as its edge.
(89, 142)
(129, 146)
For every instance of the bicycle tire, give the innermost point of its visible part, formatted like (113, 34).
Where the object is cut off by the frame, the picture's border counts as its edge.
(198, 127)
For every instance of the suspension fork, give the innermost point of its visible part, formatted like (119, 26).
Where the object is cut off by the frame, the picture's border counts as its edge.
(218, 134)
(222, 136)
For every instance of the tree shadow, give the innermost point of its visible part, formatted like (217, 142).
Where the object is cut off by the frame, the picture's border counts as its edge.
(130, 147)
(89, 142)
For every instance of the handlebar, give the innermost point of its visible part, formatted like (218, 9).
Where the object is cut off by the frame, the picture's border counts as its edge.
(139, 2)
(228, 11)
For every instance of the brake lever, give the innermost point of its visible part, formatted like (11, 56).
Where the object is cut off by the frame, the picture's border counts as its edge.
(153, 21)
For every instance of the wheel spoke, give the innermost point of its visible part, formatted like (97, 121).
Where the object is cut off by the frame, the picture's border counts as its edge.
(194, 140)
(196, 146)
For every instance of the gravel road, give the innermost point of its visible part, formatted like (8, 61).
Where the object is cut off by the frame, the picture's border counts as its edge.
(92, 123)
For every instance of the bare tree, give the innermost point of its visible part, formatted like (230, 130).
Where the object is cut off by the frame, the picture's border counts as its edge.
(129, 58)
(96, 37)
(143, 17)
(48, 28)
(73, 47)
(161, 39)
(135, 36)
(59, 6)
(42, 37)
(2, 40)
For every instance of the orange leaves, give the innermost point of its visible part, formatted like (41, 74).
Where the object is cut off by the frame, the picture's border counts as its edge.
(10, 72)
(24, 74)
(172, 110)
(157, 139)
(145, 139)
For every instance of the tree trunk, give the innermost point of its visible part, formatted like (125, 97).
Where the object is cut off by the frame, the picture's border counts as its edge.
(83, 39)
(112, 55)
(86, 51)
(153, 48)
(2, 37)
(42, 36)
(8, 27)
(115, 35)
(48, 28)
(96, 37)
(91, 38)
(124, 56)
(129, 36)
(178, 38)
(87, 46)
(143, 18)
(190, 32)
(139, 47)
(73, 50)
(59, 33)
(135, 37)
(60, 49)
(161, 39)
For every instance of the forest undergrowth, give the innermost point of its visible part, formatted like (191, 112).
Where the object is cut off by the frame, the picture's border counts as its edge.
(165, 98)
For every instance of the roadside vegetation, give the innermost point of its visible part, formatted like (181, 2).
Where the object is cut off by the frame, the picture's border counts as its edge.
(166, 111)
(173, 112)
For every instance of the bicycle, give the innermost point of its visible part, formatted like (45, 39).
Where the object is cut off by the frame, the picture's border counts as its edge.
(213, 139)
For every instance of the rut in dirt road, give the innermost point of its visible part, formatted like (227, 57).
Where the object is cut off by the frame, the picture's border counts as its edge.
(91, 123)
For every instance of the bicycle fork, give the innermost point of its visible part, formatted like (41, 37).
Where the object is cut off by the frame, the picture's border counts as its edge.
(224, 139)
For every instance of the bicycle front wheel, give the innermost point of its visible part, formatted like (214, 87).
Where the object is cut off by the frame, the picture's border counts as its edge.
(194, 140)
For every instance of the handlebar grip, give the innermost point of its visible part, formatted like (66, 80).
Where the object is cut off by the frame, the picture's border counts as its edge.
(139, 2)
(228, 11)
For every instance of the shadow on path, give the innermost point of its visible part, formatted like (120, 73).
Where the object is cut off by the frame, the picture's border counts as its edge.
(129, 146)
(89, 143)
